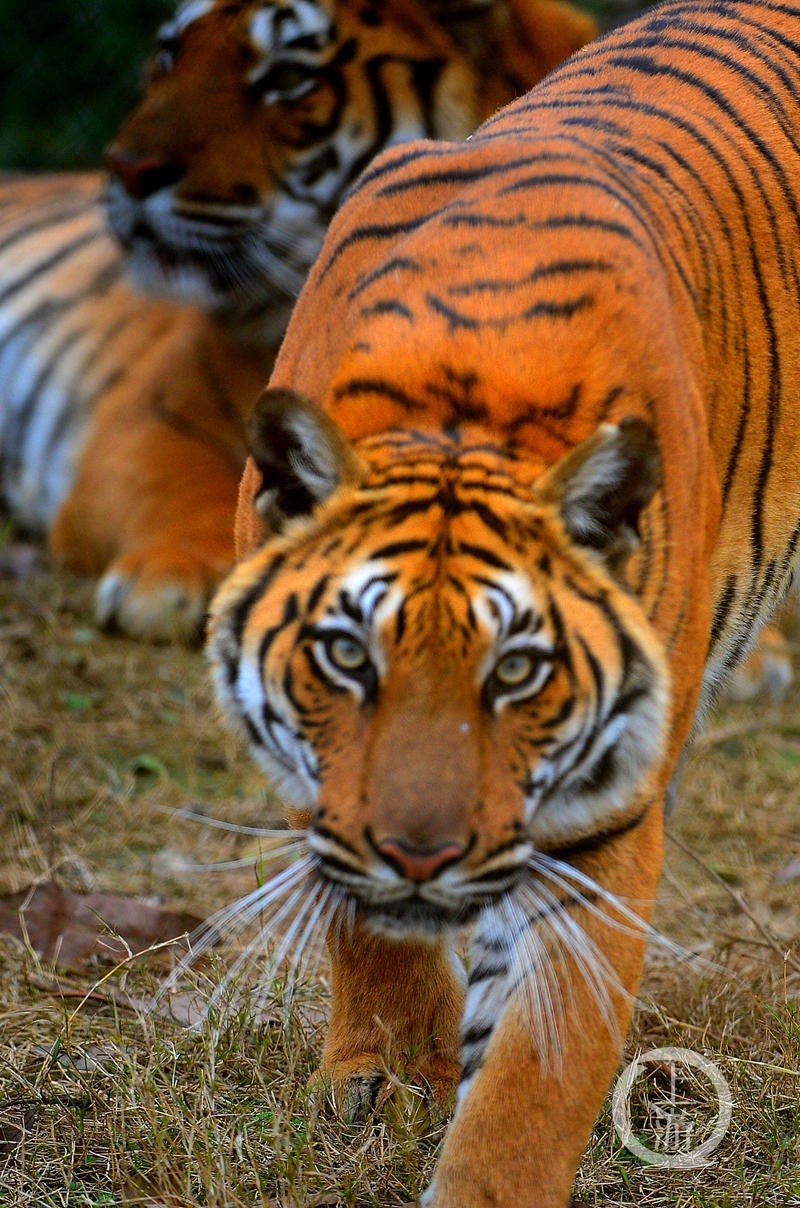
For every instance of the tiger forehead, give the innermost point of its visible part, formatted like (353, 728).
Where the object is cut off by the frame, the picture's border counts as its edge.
(426, 462)
(394, 546)
(442, 503)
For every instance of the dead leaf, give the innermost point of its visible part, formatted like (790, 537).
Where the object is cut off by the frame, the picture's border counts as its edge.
(12, 1135)
(68, 927)
(10, 1138)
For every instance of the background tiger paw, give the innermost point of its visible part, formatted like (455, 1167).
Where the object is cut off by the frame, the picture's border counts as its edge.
(158, 594)
(765, 674)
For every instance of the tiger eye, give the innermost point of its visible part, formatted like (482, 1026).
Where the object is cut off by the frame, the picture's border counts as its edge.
(347, 653)
(514, 669)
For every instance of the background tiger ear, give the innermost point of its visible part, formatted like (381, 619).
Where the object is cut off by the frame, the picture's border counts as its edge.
(601, 487)
(302, 456)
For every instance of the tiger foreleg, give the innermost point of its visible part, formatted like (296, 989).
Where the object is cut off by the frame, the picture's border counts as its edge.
(528, 1099)
(396, 1011)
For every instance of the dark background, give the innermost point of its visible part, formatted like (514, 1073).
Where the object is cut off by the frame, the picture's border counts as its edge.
(71, 69)
(69, 72)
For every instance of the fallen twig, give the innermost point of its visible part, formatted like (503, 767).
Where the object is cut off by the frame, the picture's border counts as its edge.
(784, 953)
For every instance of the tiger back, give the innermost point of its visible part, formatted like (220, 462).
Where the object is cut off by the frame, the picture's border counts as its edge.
(522, 492)
(122, 417)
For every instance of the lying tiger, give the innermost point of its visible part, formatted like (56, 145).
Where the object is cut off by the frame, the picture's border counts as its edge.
(122, 419)
(527, 474)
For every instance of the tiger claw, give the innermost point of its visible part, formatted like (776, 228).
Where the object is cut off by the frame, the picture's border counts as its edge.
(359, 1088)
(360, 1098)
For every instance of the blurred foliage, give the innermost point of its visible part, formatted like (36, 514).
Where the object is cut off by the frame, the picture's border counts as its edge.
(71, 69)
(69, 72)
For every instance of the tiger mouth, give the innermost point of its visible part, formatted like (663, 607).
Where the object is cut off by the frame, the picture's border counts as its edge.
(423, 909)
(227, 266)
(416, 916)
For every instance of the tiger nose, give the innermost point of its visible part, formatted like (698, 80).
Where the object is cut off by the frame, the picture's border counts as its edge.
(143, 175)
(419, 865)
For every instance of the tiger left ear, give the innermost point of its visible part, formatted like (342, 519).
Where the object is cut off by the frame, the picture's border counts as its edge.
(302, 456)
(602, 485)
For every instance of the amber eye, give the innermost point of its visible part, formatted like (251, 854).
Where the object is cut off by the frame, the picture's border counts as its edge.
(286, 82)
(513, 669)
(347, 653)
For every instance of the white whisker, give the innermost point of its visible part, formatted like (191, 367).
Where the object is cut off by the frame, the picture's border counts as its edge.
(309, 931)
(536, 980)
(247, 959)
(269, 856)
(219, 824)
(589, 960)
(234, 918)
(560, 873)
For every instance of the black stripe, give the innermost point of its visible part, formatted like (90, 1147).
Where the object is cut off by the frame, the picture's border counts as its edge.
(593, 843)
(43, 266)
(377, 231)
(549, 310)
(395, 265)
(357, 386)
(397, 548)
(242, 610)
(483, 555)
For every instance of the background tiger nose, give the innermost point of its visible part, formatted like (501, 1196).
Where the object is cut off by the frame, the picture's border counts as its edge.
(419, 865)
(143, 175)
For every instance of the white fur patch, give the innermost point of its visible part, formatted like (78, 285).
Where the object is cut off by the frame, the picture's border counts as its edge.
(187, 13)
(275, 30)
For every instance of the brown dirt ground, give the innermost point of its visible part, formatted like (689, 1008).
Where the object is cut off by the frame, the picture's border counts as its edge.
(102, 1105)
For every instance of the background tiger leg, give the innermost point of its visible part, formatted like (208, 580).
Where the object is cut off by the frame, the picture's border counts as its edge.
(153, 502)
(520, 1129)
(767, 672)
(396, 1007)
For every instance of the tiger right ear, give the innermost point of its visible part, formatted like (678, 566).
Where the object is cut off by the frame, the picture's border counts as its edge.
(302, 456)
(602, 486)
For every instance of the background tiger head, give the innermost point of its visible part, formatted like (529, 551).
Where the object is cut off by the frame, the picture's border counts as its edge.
(436, 658)
(256, 117)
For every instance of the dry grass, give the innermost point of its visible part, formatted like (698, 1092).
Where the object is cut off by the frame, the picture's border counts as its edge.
(114, 1106)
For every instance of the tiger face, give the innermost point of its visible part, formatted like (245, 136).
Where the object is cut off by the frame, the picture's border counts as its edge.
(256, 118)
(436, 658)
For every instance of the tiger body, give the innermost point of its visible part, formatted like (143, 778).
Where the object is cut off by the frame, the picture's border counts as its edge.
(129, 364)
(527, 474)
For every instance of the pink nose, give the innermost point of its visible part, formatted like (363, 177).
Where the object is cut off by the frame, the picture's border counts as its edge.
(143, 175)
(419, 865)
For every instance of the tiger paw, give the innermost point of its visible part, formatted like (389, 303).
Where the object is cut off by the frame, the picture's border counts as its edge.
(157, 594)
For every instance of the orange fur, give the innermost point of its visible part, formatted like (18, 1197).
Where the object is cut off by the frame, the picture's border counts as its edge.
(146, 481)
(619, 243)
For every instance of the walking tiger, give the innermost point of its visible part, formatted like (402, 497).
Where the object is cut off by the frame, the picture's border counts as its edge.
(522, 490)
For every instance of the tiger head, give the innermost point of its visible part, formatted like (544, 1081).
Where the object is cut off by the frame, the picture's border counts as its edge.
(257, 116)
(437, 660)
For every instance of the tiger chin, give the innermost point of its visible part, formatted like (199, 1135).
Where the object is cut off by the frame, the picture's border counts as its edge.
(437, 661)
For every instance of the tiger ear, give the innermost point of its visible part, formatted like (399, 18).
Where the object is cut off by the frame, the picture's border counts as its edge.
(302, 456)
(602, 485)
